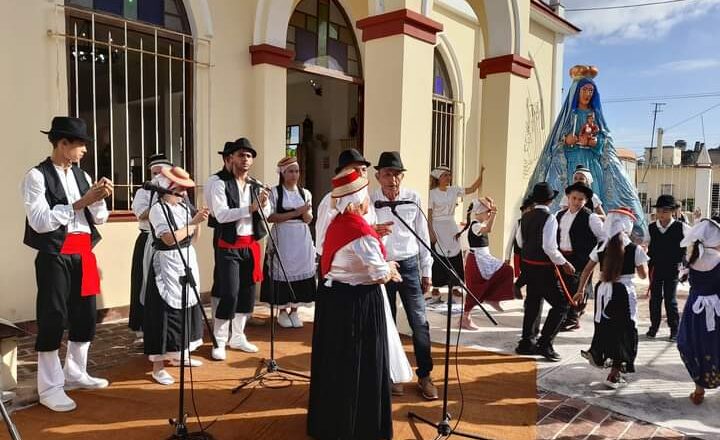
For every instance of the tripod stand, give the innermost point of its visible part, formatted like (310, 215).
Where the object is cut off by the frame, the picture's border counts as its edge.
(12, 429)
(443, 426)
(271, 365)
(187, 279)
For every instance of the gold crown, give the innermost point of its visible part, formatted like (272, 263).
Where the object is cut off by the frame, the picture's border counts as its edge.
(580, 71)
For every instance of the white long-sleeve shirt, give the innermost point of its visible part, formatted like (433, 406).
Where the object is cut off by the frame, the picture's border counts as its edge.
(141, 204)
(359, 262)
(566, 222)
(218, 205)
(43, 219)
(549, 244)
(401, 244)
(510, 246)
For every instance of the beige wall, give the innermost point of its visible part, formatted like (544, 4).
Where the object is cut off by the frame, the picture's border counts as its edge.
(233, 99)
(650, 180)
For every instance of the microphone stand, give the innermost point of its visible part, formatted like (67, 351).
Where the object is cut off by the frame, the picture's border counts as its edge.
(180, 423)
(443, 427)
(271, 365)
(12, 429)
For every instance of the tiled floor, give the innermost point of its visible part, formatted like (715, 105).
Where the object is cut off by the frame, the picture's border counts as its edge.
(559, 417)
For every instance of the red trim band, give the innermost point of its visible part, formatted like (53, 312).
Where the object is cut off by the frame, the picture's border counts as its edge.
(403, 21)
(269, 54)
(537, 263)
(346, 179)
(511, 63)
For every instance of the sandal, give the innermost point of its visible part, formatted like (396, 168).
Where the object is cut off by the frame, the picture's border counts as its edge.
(697, 398)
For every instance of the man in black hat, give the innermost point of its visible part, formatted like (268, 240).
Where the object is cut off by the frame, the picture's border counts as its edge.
(234, 202)
(140, 206)
(579, 230)
(537, 238)
(62, 207)
(414, 263)
(350, 158)
(666, 256)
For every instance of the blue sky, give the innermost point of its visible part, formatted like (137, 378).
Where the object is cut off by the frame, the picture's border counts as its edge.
(660, 50)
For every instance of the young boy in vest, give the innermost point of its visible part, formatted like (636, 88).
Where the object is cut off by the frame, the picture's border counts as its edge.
(234, 205)
(579, 230)
(537, 238)
(666, 256)
(62, 208)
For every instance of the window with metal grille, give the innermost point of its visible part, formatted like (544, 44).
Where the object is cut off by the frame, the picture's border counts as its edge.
(667, 189)
(715, 201)
(130, 74)
(443, 116)
(644, 201)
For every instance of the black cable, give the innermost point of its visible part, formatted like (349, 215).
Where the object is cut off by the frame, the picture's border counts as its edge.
(605, 8)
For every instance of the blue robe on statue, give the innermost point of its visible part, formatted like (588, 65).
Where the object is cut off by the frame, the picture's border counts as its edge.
(557, 161)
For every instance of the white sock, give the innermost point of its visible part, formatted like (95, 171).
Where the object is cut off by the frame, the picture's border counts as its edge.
(50, 377)
(221, 329)
(158, 366)
(76, 360)
(238, 324)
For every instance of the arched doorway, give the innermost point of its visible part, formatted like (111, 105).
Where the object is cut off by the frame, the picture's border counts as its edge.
(444, 113)
(324, 90)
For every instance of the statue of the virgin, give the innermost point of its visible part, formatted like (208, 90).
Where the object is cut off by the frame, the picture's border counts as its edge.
(580, 136)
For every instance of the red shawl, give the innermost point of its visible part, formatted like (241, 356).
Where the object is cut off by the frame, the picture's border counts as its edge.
(342, 230)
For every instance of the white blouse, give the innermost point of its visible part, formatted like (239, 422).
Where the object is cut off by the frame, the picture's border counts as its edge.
(141, 203)
(359, 262)
(291, 199)
(43, 219)
(443, 203)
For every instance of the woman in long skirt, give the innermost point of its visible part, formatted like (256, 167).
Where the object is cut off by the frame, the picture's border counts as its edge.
(172, 220)
(699, 332)
(615, 340)
(350, 386)
(291, 214)
(489, 279)
(443, 227)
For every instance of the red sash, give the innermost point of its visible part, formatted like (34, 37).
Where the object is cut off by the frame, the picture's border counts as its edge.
(247, 242)
(342, 230)
(82, 244)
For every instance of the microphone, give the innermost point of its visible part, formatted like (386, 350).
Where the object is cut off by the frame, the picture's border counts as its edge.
(257, 182)
(159, 189)
(391, 204)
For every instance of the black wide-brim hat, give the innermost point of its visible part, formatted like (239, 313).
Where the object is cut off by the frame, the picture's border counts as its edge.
(348, 157)
(239, 144)
(577, 186)
(69, 128)
(390, 159)
(666, 201)
(542, 193)
(158, 159)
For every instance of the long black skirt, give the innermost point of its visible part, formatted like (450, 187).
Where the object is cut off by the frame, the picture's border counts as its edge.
(162, 325)
(440, 277)
(615, 341)
(350, 386)
(136, 317)
(278, 292)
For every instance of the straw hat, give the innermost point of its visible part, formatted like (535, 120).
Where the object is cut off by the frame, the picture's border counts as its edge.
(348, 182)
(178, 176)
(285, 163)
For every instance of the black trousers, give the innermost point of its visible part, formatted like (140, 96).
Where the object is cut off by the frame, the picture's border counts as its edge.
(573, 281)
(234, 284)
(542, 284)
(59, 303)
(137, 315)
(663, 289)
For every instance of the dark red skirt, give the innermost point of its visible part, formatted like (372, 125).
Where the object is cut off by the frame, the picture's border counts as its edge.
(498, 288)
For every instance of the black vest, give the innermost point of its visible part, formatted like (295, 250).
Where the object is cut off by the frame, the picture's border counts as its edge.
(628, 261)
(228, 231)
(531, 230)
(51, 242)
(664, 249)
(582, 238)
(281, 194)
(476, 241)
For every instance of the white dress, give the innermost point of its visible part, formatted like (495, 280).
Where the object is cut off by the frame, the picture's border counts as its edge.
(443, 205)
(293, 239)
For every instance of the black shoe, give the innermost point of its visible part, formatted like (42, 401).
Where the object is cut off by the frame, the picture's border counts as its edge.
(526, 348)
(548, 352)
(651, 333)
(570, 325)
(673, 336)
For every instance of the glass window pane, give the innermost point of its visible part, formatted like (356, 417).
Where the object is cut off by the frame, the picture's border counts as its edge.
(291, 34)
(333, 31)
(311, 24)
(112, 6)
(297, 20)
(307, 6)
(151, 11)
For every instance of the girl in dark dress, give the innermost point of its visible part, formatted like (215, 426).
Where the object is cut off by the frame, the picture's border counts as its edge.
(699, 332)
(615, 340)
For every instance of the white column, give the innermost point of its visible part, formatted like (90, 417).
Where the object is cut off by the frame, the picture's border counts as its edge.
(703, 189)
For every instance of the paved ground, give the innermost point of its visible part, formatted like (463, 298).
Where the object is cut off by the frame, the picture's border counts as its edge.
(560, 416)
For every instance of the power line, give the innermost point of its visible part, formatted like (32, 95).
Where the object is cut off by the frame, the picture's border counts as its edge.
(693, 116)
(652, 98)
(604, 8)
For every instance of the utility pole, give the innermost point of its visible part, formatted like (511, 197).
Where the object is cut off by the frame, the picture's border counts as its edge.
(656, 110)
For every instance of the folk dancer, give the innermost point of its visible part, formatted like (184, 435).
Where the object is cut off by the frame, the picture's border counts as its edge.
(63, 207)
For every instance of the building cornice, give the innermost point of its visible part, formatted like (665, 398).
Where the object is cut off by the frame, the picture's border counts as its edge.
(545, 16)
(511, 63)
(400, 22)
(269, 54)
